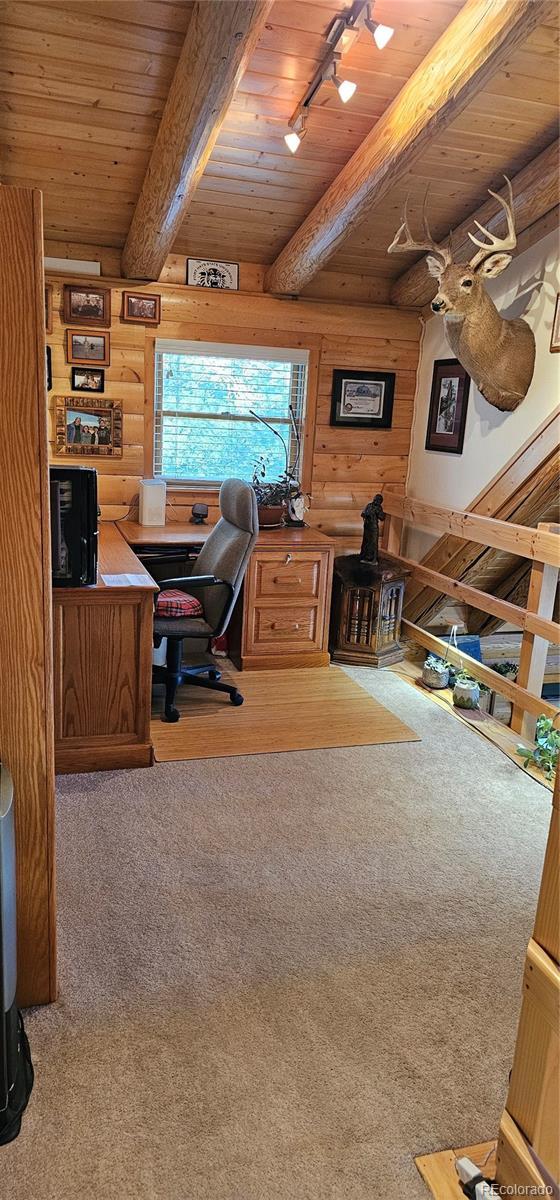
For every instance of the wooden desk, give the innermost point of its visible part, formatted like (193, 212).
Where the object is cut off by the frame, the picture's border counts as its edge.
(282, 618)
(103, 663)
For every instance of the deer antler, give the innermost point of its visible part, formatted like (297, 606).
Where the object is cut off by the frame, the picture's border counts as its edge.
(496, 243)
(443, 252)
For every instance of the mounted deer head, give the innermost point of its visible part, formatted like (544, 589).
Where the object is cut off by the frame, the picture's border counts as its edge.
(498, 354)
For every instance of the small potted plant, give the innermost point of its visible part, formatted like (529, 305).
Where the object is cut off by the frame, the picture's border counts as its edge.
(544, 754)
(435, 672)
(466, 691)
(272, 497)
(281, 499)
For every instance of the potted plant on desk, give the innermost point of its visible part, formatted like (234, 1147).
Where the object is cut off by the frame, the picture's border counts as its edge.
(271, 497)
(281, 501)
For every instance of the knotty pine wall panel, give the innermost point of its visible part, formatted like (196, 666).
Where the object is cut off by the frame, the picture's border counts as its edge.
(348, 466)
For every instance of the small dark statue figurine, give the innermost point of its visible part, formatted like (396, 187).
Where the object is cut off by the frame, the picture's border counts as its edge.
(372, 515)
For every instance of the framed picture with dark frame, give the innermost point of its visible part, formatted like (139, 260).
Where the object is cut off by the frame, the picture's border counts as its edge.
(448, 407)
(85, 305)
(48, 308)
(88, 427)
(87, 349)
(213, 273)
(362, 399)
(141, 308)
(88, 379)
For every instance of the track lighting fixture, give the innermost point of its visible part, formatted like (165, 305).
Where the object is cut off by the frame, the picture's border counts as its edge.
(340, 37)
(344, 87)
(381, 33)
(298, 130)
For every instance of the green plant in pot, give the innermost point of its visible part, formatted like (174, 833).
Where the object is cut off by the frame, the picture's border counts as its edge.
(545, 753)
(275, 498)
(272, 496)
(435, 672)
(466, 691)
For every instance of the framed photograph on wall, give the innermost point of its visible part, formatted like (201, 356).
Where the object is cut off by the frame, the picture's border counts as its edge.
(141, 308)
(88, 379)
(48, 308)
(203, 272)
(85, 348)
(555, 334)
(362, 399)
(448, 407)
(91, 427)
(86, 305)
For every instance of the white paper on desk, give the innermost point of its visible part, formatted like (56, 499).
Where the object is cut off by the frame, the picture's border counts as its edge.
(124, 580)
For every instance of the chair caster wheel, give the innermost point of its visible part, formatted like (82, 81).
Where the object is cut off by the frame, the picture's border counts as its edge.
(236, 698)
(171, 714)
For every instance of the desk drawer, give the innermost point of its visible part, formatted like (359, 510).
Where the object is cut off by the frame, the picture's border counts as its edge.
(290, 573)
(284, 629)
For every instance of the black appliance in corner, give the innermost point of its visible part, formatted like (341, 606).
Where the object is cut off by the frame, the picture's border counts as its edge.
(16, 1071)
(74, 531)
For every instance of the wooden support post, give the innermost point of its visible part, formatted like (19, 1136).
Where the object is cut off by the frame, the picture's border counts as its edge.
(26, 673)
(534, 649)
(393, 538)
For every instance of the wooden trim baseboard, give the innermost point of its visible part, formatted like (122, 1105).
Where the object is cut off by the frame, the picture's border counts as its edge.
(103, 758)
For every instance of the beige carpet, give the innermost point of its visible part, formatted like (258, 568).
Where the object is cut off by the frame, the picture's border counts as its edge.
(282, 710)
(283, 976)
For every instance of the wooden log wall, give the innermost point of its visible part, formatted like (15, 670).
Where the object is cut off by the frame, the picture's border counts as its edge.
(349, 466)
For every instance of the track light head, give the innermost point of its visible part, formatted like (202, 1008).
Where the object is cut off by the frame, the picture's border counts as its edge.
(292, 140)
(381, 33)
(297, 132)
(344, 87)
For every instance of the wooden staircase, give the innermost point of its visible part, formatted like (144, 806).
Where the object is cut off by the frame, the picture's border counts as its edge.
(526, 492)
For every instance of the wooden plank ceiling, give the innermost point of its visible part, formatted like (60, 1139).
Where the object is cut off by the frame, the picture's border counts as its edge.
(84, 83)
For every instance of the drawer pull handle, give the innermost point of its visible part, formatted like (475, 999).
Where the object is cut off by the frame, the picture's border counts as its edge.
(291, 582)
(275, 625)
(288, 559)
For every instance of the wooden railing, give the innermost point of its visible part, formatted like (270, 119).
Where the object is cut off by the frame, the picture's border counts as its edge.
(540, 545)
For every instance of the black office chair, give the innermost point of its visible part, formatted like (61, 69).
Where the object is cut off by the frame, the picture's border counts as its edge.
(216, 579)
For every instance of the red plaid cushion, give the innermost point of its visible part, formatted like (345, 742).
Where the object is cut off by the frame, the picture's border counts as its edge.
(175, 603)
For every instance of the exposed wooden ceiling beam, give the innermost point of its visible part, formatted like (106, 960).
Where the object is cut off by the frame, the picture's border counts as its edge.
(219, 41)
(535, 191)
(474, 46)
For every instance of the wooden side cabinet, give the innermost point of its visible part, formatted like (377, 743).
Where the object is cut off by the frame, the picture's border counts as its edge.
(283, 619)
(103, 664)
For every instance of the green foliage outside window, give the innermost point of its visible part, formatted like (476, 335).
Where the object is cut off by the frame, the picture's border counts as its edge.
(207, 431)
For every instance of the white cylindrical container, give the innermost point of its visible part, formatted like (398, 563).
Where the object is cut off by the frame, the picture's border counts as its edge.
(152, 501)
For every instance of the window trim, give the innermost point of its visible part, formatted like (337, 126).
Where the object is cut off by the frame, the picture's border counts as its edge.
(276, 339)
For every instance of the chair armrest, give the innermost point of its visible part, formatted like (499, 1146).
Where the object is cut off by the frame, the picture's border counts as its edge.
(185, 583)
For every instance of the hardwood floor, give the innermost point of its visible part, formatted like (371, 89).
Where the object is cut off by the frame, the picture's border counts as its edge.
(283, 710)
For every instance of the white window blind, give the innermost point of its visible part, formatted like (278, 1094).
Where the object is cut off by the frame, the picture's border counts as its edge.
(204, 394)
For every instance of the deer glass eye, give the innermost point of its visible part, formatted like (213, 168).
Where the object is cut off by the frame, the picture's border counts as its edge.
(466, 283)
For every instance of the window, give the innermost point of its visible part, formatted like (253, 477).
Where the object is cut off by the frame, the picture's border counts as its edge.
(204, 394)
